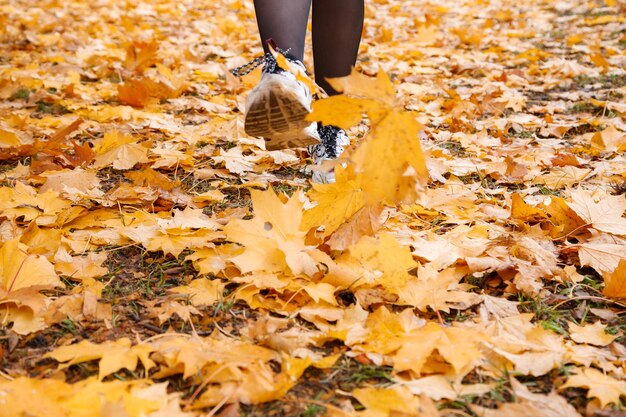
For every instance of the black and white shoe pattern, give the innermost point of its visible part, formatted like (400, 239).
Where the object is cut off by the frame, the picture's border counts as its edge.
(331, 142)
(331, 145)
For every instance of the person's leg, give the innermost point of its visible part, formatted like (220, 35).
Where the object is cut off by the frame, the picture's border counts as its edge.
(285, 22)
(337, 27)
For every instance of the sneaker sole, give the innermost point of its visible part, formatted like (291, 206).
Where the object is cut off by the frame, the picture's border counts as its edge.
(277, 115)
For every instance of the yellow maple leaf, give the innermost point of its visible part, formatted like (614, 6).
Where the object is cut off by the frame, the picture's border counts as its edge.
(360, 85)
(603, 257)
(439, 290)
(561, 177)
(601, 386)
(9, 139)
(135, 92)
(420, 344)
(610, 138)
(24, 308)
(562, 219)
(170, 307)
(344, 111)
(113, 355)
(175, 240)
(593, 334)
(533, 350)
(525, 212)
(106, 113)
(202, 291)
(81, 267)
(273, 240)
(385, 257)
(19, 269)
(18, 397)
(336, 202)
(141, 55)
(120, 151)
(213, 260)
(55, 398)
(394, 401)
(604, 215)
(388, 151)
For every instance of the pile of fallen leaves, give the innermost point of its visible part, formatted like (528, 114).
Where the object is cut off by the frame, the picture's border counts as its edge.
(469, 260)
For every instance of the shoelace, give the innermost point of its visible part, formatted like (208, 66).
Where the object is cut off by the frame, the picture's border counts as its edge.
(266, 59)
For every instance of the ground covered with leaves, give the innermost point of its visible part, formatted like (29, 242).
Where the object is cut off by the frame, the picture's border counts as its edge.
(156, 261)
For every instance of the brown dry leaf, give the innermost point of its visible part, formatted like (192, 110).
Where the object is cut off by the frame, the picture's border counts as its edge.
(365, 222)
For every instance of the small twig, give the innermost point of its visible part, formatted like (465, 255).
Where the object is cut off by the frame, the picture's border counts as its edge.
(587, 297)
(220, 404)
(573, 231)
(5, 375)
(153, 327)
(203, 385)
(443, 323)
(163, 335)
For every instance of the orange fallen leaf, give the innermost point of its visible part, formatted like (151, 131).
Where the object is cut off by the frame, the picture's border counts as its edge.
(615, 281)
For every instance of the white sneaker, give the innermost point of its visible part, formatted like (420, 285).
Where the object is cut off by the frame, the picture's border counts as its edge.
(276, 108)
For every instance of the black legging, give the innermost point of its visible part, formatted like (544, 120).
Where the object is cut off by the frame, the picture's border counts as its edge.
(337, 27)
